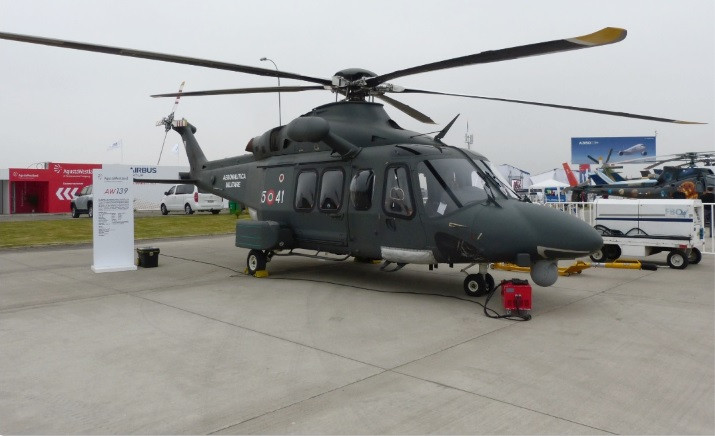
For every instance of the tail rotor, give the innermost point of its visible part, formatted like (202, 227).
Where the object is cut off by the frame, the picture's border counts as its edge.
(167, 121)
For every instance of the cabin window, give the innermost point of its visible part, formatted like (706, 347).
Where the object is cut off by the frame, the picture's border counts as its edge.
(361, 189)
(305, 190)
(398, 200)
(331, 190)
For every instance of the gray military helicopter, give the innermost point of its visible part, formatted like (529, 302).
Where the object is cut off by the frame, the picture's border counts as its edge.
(346, 179)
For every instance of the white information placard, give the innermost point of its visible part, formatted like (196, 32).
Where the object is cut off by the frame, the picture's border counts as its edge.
(113, 220)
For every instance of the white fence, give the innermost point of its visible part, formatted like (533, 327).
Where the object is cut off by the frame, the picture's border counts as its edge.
(585, 211)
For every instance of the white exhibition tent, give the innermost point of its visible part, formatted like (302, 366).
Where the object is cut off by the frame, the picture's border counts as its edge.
(545, 184)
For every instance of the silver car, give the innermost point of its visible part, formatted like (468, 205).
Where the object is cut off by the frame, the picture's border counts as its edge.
(82, 203)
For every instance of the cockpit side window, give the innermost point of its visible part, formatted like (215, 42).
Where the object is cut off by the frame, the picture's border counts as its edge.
(397, 195)
(449, 184)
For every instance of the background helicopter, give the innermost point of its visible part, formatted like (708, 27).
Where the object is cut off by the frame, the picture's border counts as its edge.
(346, 179)
(686, 180)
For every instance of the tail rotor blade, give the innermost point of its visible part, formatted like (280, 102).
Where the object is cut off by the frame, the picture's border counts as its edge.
(167, 121)
(176, 102)
(162, 146)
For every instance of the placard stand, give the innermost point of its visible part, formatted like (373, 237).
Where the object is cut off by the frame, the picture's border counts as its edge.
(113, 220)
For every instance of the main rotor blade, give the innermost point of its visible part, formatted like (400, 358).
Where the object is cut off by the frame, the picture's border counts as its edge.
(409, 110)
(607, 35)
(159, 57)
(244, 91)
(558, 106)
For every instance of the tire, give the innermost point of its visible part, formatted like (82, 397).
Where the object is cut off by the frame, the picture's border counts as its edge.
(611, 252)
(75, 214)
(474, 285)
(187, 209)
(164, 210)
(677, 259)
(489, 283)
(256, 261)
(478, 285)
(695, 257)
(90, 210)
(598, 256)
(215, 212)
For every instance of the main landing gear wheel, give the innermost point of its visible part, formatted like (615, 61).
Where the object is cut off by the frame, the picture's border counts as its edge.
(477, 285)
(678, 259)
(256, 261)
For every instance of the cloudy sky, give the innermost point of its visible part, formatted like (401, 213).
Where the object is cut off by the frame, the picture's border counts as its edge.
(68, 106)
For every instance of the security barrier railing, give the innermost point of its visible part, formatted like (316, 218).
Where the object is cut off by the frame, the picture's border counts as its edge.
(585, 211)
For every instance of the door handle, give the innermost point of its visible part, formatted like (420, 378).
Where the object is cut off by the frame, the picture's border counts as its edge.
(337, 216)
(390, 223)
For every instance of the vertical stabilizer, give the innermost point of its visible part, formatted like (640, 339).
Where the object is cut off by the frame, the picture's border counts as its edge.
(569, 175)
(196, 157)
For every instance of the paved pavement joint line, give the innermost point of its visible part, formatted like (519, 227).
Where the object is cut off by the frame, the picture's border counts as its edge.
(298, 402)
(259, 332)
(502, 401)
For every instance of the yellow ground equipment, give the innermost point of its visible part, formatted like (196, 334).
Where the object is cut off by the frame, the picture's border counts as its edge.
(579, 266)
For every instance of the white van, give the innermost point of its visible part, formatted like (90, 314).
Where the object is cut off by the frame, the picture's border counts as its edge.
(189, 199)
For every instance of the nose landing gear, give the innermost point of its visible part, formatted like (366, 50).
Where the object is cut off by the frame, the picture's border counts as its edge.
(479, 284)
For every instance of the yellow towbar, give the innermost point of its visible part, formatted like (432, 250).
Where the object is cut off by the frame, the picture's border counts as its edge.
(579, 266)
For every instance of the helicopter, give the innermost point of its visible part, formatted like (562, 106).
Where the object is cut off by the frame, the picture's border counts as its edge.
(345, 179)
(686, 180)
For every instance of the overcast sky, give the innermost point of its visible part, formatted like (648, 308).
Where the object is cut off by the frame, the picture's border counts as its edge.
(64, 105)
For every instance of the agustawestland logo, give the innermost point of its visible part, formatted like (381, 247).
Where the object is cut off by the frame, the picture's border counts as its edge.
(25, 176)
(56, 168)
(77, 172)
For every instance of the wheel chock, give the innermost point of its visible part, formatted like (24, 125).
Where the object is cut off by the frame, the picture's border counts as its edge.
(260, 274)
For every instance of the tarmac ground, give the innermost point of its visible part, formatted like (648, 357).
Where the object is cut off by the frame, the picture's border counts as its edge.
(194, 346)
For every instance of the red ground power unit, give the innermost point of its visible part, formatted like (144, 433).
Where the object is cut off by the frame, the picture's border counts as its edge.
(516, 295)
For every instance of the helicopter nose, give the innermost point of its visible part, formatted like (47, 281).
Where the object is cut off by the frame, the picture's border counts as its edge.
(561, 236)
(535, 231)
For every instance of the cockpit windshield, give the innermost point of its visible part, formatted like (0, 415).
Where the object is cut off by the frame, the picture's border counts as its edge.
(452, 183)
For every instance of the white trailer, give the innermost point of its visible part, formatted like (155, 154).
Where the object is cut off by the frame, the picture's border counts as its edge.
(645, 227)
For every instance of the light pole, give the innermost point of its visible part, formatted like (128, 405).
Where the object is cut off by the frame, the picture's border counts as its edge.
(280, 123)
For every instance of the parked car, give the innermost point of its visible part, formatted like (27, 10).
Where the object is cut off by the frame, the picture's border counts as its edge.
(189, 199)
(82, 203)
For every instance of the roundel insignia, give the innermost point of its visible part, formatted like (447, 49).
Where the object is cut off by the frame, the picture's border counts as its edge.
(281, 177)
(270, 197)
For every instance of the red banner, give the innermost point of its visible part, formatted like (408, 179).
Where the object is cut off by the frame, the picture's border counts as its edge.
(48, 190)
